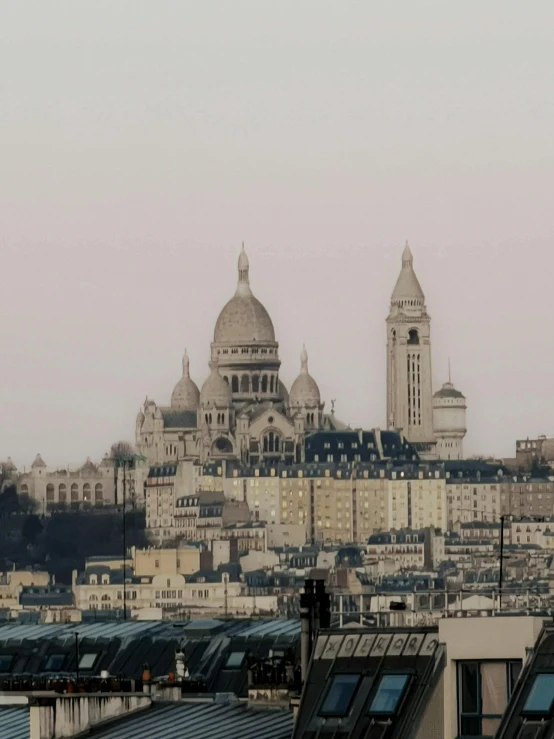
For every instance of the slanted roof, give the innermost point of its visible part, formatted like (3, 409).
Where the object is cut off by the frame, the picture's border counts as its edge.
(388, 678)
(530, 710)
(191, 720)
(122, 648)
(14, 722)
(179, 419)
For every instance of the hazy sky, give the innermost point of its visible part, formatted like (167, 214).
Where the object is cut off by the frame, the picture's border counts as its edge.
(142, 141)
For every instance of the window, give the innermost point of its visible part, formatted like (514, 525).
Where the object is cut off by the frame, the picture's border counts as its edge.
(234, 660)
(339, 696)
(54, 663)
(541, 696)
(87, 661)
(6, 662)
(389, 693)
(483, 692)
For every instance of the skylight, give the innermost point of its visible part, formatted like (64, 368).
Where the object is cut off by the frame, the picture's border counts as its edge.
(235, 660)
(6, 662)
(87, 661)
(389, 692)
(339, 696)
(53, 662)
(541, 696)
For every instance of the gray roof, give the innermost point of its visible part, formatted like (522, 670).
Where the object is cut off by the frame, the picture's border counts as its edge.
(179, 419)
(201, 720)
(14, 722)
(448, 391)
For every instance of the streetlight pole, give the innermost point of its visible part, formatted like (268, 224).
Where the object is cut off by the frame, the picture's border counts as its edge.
(500, 576)
(77, 658)
(124, 543)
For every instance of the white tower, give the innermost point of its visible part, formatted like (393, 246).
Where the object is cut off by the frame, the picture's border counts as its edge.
(449, 421)
(409, 382)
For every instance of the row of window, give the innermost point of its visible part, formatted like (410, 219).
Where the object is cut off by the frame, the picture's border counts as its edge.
(384, 701)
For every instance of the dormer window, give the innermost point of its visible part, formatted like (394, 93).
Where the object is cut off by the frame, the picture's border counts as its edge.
(105, 579)
(93, 580)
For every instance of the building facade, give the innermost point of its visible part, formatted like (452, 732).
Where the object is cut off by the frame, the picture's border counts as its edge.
(86, 486)
(435, 424)
(243, 410)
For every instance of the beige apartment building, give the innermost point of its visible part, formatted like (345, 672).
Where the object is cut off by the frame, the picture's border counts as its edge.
(527, 496)
(473, 500)
(182, 560)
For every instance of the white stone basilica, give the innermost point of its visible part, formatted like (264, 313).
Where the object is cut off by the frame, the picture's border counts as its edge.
(244, 411)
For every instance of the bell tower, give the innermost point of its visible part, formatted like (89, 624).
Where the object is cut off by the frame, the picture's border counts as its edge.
(409, 381)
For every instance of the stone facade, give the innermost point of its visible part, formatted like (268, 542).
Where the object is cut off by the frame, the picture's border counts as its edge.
(434, 424)
(89, 485)
(243, 411)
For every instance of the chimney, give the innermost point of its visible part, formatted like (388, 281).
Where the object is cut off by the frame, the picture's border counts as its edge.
(306, 607)
(315, 614)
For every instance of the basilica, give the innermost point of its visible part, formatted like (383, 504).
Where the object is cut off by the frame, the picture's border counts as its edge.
(244, 412)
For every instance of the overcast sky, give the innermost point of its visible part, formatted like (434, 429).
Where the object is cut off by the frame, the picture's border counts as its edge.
(142, 141)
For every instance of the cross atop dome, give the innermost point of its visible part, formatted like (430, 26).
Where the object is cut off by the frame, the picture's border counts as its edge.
(243, 287)
(304, 359)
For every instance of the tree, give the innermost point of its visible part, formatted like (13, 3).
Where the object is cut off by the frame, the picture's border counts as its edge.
(121, 452)
(31, 529)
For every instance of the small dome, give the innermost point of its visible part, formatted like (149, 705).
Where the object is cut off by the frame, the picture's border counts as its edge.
(215, 391)
(39, 462)
(140, 418)
(448, 391)
(158, 414)
(244, 318)
(304, 390)
(10, 466)
(186, 395)
(89, 467)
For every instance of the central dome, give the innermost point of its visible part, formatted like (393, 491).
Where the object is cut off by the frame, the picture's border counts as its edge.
(244, 318)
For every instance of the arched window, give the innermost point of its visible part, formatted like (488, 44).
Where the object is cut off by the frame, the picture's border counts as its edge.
(413, 336)
(93, 597)
(62, 492)
(74, 493)
(245, 384)
(271, 384)
(271, 443)
(24, 490)
(264, 384)
(106, 597)
(50, 493)
(255, 384)
(234, 384)
(86, 492)
(98, 493)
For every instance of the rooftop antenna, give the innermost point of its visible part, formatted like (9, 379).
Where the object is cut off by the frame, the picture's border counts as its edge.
(449, 375)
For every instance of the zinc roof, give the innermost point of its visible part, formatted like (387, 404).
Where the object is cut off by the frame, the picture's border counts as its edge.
(203, 721)
(14, 722)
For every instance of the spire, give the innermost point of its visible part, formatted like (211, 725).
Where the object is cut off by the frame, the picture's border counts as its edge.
(243, 287)
(304, 360)
(407, 256)
(407, 288)
(186, 364)
(449, 373)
